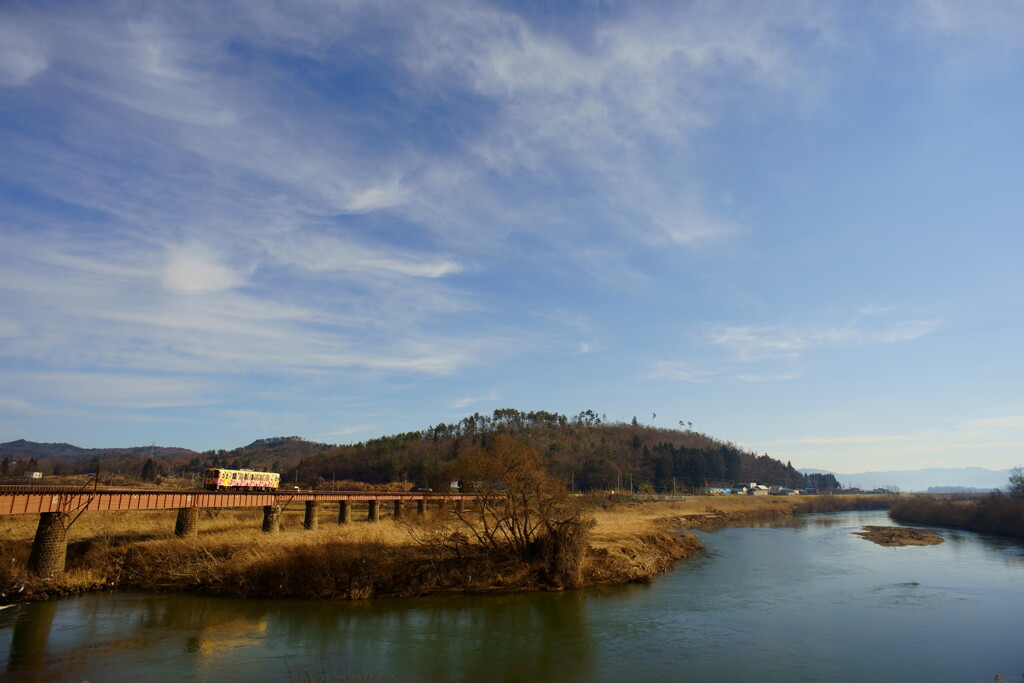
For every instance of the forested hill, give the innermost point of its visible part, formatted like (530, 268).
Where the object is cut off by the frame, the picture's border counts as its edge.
(583, 450)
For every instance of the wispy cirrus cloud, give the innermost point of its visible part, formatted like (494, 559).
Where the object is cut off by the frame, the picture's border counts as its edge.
(859, 439)
(122, 390)
(776, 352)
(22, 54)
(186, 312)
(321, 253)
(319, 191)
(994, 423)
(467, 401)
(748, 343)
(680, 371)
(996, 22)
(348, 431)
(999, 438)
(777, 377)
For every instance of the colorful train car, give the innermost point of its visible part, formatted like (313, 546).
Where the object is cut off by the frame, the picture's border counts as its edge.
(220, 479)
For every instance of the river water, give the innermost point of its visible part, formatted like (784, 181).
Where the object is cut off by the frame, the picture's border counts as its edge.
(807, 601)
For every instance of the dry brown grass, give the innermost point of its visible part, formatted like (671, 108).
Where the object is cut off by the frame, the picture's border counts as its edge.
(138, 549)
(636, 542)
(231, 556)
(618, 522)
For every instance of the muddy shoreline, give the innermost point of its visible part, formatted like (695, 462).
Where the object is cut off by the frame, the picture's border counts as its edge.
(897, 536)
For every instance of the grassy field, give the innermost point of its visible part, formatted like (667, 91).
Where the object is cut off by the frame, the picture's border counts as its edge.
(230, 556)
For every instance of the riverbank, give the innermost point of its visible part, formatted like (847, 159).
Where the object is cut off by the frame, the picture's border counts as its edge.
(992, 514)
(629, 542)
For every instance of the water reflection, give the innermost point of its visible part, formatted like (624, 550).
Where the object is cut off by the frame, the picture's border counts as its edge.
(807, 591)
(417, 639)
(822, 520)
(28, 638)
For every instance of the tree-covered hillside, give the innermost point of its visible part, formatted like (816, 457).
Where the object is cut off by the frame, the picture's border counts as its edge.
(584, 450)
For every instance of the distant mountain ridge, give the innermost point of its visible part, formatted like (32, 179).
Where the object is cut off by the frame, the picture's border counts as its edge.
(922, 480)
(31, 449)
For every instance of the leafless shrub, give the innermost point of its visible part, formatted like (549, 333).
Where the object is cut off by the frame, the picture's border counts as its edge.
(520, 510)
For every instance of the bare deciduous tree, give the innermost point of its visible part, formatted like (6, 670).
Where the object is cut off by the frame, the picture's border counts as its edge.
(519, 509)
(1017, 482)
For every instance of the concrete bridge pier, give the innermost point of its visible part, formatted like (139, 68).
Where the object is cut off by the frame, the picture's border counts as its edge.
(271, 518)
(312, 520)
(50, 547)
(344, 512)
(421, 507)
(399, 509)
(458, 506)
(187, 524)
(373, 514)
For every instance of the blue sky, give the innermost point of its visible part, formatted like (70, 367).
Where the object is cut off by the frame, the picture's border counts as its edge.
(797, 225)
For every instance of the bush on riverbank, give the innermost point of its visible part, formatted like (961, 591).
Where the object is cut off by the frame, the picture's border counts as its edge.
(995, 513)
(520, 511)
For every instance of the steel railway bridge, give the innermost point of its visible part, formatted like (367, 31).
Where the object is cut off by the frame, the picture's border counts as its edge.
(59, 507)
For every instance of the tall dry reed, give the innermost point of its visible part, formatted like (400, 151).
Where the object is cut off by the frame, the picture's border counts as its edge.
(994, 513)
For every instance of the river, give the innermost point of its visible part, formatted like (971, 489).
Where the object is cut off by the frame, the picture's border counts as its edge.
(803, 601)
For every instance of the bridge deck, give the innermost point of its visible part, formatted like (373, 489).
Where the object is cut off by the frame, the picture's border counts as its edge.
(37, 499)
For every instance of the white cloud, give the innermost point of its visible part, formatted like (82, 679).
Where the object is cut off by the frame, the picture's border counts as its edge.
(949, 445)
(994, 423)
(10, 328)
(845, 440)
(136, 391)
(470, 400)
(321, 253)
(908, 331)
(195, 269)
(777, 349)
(22, 55)
(778, 377)
(984, 22)
(603, 111)
(749, 343)
(378, 197)
(226, 216)
(124, 310)
(10, 404)
(679, 370)
(346, 431)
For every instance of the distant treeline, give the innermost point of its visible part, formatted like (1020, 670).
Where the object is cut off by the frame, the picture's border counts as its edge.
(584, 450)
